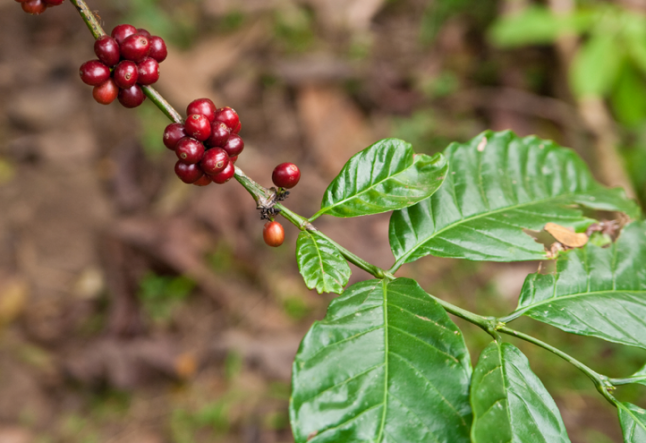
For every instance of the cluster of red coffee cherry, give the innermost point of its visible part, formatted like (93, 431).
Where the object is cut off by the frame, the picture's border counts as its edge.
(128, 59)
(36, 7)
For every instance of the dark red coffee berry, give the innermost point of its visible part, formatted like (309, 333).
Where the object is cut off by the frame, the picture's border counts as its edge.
(21, 1)
(237, 130)
(125, 74)
(286, 175)
(34, 7)
(189, 150)
(131, 97)
(148, 70)
(227, 116)
(121, 32)
(219, 135)
(173, 134)
(197, 126)
(94, 73)
(54, 2)
(106, 92)
(203, 181)
(214, 161)
(226, 174)
(273, 233)
(188, 173)
(135, 47)
(107, 49)
(142, 31)
(158, 49)
(233, 159)
(234, 145)
(202, 106)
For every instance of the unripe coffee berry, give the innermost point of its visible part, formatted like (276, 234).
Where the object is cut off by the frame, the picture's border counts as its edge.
(158, 49)
(226, 174)
(214, 161)
(34, 7)
(173, 134)
(188, 173)
(106, 92)
(286, 175)
(94, 73)
(107, 49)
(227, 116)
(202, 106)
(189, 150)
(135, 47)
(203, 181)
(131, 97)
(197, 126)
(273, 233)
(121, 32)
(234, 145)
(148, 71)
(125, 74)
(219, 135)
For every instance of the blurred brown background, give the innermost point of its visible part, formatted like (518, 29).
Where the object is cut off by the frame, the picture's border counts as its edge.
(134, 308)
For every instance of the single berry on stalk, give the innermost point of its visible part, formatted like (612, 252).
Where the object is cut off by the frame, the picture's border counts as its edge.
(189, 150)
(131, 97)
(203, 181)
(188, 173)
(226, 174)
(121, 32)
(107, 49)
(106, 92)
(125, 74)
(227, 116)
(197, 126)
(135, 47)
(147, 71)
(273, 233)
(234, 145)
(214, 161)
(286, 175)
(173, 134)
(158, 49)
(34, 7)
(219, 135)
(203, 106)
(94, 73)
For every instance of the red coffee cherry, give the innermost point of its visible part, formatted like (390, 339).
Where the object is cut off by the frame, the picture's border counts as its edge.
(131, 97)
(237, 130)
(286, 175)
(94, 73)
(233, 159)
(226, 174)
(106, 92)
(219, 135)
(202, 106)
(188, 173)
(34, 7)
(227, 116)
(54, 2)
(148, 71)
(158, 49)
(189, 150)
(107, 49)
(234, 145)
(273, 234)
(121, 32)
(173, 134)
(197, 126)
(203, 181)
(214, 161)
(125, 74)
(142, 31)
(135, 47)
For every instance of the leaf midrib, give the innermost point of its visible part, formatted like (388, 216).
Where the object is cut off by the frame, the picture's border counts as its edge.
(523, 310)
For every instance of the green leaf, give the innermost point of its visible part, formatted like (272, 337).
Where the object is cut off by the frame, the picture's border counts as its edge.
(633, 422)
(629, 97)
(383, 177)
(596, 65)
(385, 365)
(499, 184)
(641, 373)
(320, 263)
(509, 402)
(599, 292)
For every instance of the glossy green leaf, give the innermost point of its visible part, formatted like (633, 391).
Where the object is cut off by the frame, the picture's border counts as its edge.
(320, 263)
(599, 292)
(641, 373)
(383, 177)
(596, 65)
(499, 184)
(385, 365)
(510, 404)
(633, 422)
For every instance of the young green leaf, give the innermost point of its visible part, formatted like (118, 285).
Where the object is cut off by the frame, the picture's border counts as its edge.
(383, 177)
(509, 402)
(499, 184)
(599, 292)
(320, 263)
(633, 422)
(386, 364)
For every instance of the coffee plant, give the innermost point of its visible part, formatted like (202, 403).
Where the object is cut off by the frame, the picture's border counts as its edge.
(387, 364)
